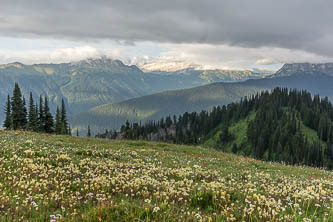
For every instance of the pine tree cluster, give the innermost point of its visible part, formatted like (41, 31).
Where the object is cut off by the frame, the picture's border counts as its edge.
(276, 133)
(37, 118)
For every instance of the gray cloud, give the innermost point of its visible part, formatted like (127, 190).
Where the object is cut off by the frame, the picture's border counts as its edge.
(298, 24)
(234, 57)
(60, 55)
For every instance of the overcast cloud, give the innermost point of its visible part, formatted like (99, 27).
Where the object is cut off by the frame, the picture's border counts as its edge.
(300, 25)
(61, 55)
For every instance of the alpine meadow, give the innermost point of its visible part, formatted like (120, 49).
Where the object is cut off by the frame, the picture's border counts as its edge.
(179, 110)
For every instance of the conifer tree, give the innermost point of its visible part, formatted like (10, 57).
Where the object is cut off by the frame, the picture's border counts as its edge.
(41, 119)
(174, 119)
(36, 110)
(77, 131)
(25, 111)
(89, 132)
(58, 122)
(18, 110)
(69, 130)
(49, 123)
(168, 121)
(64, 126)
(8, 124)
(32, 116)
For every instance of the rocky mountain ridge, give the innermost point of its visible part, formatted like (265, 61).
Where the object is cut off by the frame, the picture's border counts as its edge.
(309, 68)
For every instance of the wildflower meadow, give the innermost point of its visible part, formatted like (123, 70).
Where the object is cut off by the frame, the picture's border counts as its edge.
(63, 178)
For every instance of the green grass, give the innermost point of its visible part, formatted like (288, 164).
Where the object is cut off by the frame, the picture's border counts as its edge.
(62, 178)
(238, 130)
(310, 134)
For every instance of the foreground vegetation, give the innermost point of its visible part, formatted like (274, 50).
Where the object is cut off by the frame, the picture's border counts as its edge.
(62, 178)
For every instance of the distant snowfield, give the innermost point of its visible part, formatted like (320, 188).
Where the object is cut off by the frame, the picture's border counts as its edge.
(169, 66)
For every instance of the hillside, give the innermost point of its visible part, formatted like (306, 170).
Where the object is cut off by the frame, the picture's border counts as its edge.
(79, 179)
(155, 106)
(238, 130)
(316, 83)
(159, 105)
(230, 75)
(282, 125)
(83, 85)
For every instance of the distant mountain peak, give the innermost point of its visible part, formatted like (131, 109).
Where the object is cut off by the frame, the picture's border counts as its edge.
(99, 61)
(307, 68)
(104, 64)
(13, 64)
(168, 66)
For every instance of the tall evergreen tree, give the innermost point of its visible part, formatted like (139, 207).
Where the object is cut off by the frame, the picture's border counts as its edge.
(18, 110)
(58, 122)
(89, 132)
(64, 127)
(25, 111)
(41, 119)
(36, 110)
(69, 131)
(49, 123)
(8, 124)
(32, 116)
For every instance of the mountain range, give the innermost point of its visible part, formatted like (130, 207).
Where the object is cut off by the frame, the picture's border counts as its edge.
(104, 93)
(308, 68)
(93, 82)
(153, 107)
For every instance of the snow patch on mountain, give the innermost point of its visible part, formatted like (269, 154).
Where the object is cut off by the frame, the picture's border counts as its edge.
(169, 66)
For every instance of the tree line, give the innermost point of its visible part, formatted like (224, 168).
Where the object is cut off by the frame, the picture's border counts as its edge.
(34, 117)
(290, 126)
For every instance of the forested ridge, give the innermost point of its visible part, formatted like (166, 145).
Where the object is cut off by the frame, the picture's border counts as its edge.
(288, 126)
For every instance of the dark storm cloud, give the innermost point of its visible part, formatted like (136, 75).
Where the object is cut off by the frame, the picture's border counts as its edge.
(296, 24)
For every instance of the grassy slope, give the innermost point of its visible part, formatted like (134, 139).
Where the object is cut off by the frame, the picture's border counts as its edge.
(238, 129)
(46, 177)
(310, 134)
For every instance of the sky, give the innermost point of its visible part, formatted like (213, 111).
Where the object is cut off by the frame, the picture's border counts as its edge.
(228, 34)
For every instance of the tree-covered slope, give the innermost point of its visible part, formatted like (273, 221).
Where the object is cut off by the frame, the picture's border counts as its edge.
(283, 125)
